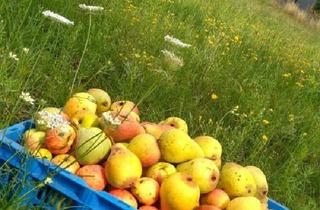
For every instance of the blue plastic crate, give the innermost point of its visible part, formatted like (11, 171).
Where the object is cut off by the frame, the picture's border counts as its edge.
(66, 188)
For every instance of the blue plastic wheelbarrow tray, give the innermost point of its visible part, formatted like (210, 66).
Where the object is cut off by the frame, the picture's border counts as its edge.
(65, 189)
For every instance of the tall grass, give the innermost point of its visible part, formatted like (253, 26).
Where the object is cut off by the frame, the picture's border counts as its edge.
(251, 55)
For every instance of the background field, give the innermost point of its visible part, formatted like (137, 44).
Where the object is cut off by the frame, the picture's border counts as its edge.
(249, 53)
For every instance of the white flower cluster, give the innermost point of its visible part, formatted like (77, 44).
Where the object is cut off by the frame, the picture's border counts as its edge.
(109, 119)
(13, 56)
(27, 97)
(57, 17)
(176, 41)
(52, 120)
(90, 8)
(172, 58)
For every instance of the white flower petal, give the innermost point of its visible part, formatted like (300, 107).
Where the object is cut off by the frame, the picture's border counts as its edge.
(176, 41)
(57, 17)
(90, 7)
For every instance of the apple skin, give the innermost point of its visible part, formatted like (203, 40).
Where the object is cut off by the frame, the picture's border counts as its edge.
(125, 196)
(67, 162)
(94, 176)
(176, 122)
(160, 171)
(207, 207)
(103, 99)
(85, 119)
(80, 101)
(155, 129)
(91, 146)
(146, 190)
(126, 131)
(60, 139)
(42, 153)
(124, 105)
(33, 139)
(216, 197)
(147, 208)
(145, 147)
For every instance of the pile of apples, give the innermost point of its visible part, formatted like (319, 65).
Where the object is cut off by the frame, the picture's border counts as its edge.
(147, 165)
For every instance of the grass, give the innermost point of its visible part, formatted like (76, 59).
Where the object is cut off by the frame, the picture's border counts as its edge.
(249, 53)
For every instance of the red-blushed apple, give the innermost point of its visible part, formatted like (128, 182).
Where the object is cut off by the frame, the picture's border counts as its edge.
(207, 207)
(124, 105)
(67, 162)
(176, 122)
(146, 190)
(145, 147)
(94, 176)
(119, 128)
(155, 129)
(125, 196)
(160, 171)
(33, 139)
(148, 208)
(60, 139)
(80, 101)
(216, 197)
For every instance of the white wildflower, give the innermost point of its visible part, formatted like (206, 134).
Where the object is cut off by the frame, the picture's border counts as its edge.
(25, 50)
(27, 98)
(48, 180)
(110, 120)
(57, 17)
(171, 60)
(90, 8)
(176, 41)
(13, 56)
(52, 120)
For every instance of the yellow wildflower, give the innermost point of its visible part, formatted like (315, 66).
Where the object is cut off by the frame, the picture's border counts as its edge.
(214, 97)
(286, 75)
(291, 118)
(264, 138)
(265, 122)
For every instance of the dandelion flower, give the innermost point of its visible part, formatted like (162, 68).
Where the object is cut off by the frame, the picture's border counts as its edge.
(57, 17)
(13, 56)
(176, 41)
(90, 8)
(27, 98)
(214, 97)
(264, 138)
(25, 50)
(265, 122)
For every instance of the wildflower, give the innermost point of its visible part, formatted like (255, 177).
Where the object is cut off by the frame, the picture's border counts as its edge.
(214, 97)
(45, 182)
(52, 120)
(110, 120)
(172, 60)
(90, 8)
(237, 38)
(264, 138)
(27, 97)
(291, 118)
(286, 75)
(304, 134)
(13, 56)
(176, 41)
(57, 17)
(25, 50)
(265, 122)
